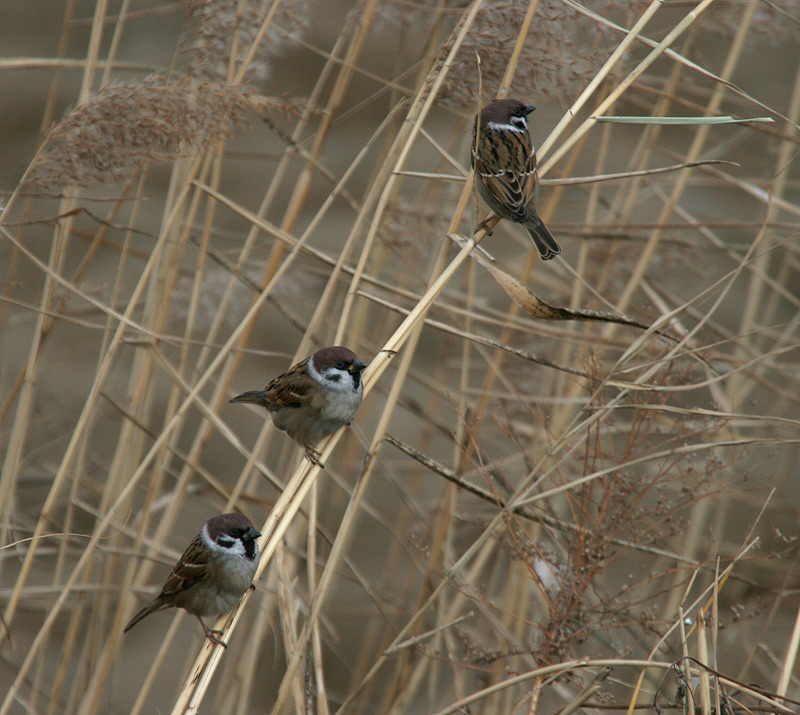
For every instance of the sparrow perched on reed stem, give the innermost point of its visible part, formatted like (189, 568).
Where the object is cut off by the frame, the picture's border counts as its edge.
(213, 574)
(313, 398)
(505, 168)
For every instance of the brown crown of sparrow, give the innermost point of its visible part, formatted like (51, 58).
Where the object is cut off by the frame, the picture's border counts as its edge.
(314, 398)
(213, 574)
(505, 169)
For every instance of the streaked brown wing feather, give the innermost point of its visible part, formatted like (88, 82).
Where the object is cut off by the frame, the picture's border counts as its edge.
(191, 569)
(291, 389)
(508, 170)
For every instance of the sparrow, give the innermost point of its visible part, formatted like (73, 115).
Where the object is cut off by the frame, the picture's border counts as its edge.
(213, 574)
(314, 398)
(505, 168)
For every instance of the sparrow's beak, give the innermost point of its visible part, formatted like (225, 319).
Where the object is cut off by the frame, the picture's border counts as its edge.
(254, 396)
(528, 109)
(252, 533)
(357, 366)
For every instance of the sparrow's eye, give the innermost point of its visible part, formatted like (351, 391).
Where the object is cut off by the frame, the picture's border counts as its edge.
(519, 112)
(342, 365)
(236, 533)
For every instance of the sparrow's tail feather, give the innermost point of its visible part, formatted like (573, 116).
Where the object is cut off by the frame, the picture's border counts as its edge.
(151, 607)
(543, 239)
(254, 396)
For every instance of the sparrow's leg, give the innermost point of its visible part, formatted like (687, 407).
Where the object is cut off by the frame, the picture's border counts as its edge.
(211, 634)
(484, 226)
(313, 455)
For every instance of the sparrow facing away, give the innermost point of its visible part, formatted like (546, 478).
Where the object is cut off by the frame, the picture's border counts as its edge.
(213, 574)
(505, 169)
(314, 398)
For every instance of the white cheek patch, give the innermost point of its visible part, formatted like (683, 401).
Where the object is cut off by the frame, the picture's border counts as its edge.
(232, 546)
(313, 370)
(338, 380)
(236, 547)
(344, 383)
(498, 127)
(207, 540)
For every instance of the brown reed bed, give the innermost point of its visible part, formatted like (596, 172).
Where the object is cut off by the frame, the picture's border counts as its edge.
(570, 485)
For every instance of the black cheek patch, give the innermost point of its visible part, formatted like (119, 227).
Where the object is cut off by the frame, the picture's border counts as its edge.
(224, 542)
(334, 377)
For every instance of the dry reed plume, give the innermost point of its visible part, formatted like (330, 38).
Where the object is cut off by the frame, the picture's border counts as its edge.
(570, 485)
(162, 121)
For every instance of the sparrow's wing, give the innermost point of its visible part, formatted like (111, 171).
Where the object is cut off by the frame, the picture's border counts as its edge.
(506, 163)
(192, 568)
(292, 389)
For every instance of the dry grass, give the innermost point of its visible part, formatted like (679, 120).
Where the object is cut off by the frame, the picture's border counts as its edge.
(571, 484)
